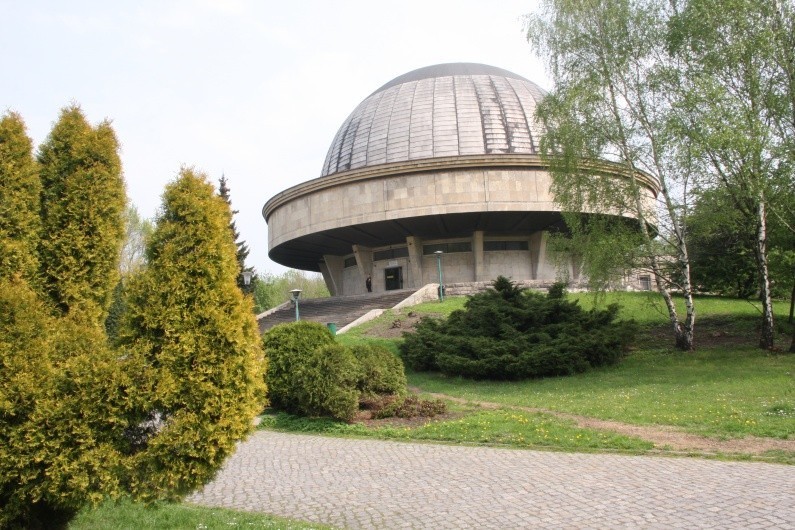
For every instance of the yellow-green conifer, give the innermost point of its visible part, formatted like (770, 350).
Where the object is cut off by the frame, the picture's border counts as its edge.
(194, 333)
(19, 200)
(82, 207)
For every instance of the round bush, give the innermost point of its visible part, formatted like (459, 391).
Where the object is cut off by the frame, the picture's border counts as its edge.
(381, 372)
(287, 348)
(326, 383)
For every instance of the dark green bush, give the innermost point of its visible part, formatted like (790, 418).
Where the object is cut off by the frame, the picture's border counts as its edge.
(511, 333)
(381, 372)
(287, 347)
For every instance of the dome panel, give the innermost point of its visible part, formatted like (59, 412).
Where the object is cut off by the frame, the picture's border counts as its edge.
(439, 111)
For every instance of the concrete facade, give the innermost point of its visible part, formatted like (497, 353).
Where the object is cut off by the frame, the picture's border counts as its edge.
(442, 158)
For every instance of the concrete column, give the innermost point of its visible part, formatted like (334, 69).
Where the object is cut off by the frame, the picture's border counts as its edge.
(331, 268)
(538, 253)
(364, 261)
(477, 254)
(414, 245)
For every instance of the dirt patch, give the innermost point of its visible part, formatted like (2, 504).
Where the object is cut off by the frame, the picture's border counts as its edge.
(392, 328)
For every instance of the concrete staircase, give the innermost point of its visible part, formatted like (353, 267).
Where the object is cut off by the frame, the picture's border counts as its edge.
(342, 310)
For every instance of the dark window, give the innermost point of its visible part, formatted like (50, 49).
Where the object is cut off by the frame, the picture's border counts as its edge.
(461, 246)
(350, 262)
(505, 245)
(392, 253)
(645, 283)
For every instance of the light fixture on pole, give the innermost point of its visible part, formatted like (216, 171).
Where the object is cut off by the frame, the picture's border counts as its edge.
(247, 275)
(439, 267)
(295, 293)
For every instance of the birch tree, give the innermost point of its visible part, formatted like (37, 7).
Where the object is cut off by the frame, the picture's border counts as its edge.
(737, 111)
(612, 101)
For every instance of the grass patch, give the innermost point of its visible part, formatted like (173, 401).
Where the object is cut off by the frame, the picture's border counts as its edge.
(715, 393)
(124, 515)
(508, 428)
(724, 390)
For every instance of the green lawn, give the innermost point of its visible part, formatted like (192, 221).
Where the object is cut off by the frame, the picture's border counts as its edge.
(728, 388)
(126, 515)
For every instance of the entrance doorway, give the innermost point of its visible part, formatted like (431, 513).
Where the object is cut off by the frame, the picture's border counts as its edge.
(393, 278)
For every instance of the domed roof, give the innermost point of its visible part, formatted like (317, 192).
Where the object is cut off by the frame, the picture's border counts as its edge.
(439, 111)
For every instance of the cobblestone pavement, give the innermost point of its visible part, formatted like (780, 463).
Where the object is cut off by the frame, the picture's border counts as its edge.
(378, 484)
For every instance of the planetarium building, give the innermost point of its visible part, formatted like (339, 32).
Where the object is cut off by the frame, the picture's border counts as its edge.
(444, 158)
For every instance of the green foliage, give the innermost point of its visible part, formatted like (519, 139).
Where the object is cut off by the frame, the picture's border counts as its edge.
(192, 343)
(507, 333)
(20, 187)
(287, 346)
(271, 290)
(326, 383)
(381, 372)
(310, 374)
(82, 210)
(609, 144)
(722, 247)
(60, 420)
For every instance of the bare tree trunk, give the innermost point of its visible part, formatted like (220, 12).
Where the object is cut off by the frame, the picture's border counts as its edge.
(792, 303)
(683, 333)
(767, 336)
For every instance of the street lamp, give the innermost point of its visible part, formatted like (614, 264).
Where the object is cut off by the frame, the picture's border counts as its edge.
(295, 293)
(439, 267)
(247, 275)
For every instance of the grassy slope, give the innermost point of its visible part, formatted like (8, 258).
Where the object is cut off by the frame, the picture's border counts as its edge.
(727, 388)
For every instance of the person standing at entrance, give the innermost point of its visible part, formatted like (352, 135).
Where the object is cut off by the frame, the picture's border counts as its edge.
(369, 283)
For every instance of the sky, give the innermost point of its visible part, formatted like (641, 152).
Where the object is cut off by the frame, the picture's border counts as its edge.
(252, 90)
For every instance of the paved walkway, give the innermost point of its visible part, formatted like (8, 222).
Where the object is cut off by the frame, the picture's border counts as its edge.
(376, 484)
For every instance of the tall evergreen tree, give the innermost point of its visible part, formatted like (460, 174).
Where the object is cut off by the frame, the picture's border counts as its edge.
(19, 200)
(82, 210)
(61, 398)
(242, 247)
(195, 335)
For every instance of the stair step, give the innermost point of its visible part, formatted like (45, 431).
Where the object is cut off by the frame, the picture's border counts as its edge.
(342, 310)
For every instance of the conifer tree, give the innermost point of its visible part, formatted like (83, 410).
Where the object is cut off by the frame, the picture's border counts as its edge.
(19, 200)
(82, 210)
(242, 247)
(196, 336)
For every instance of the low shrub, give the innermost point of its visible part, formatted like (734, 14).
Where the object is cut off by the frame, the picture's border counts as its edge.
(511, 333)
(311, 375)
(287, 347)
(326, 383)
(404, 406)
(381, 372)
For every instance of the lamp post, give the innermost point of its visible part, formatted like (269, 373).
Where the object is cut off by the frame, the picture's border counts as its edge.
(247, 275)
(439, 267)
(295, 293)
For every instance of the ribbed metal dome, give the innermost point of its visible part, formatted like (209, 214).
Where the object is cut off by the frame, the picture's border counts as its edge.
(439, 111)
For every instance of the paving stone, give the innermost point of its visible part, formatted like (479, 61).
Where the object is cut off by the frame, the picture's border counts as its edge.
(362, 484)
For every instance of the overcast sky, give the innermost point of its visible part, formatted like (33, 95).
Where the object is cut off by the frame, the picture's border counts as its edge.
(255, 90)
